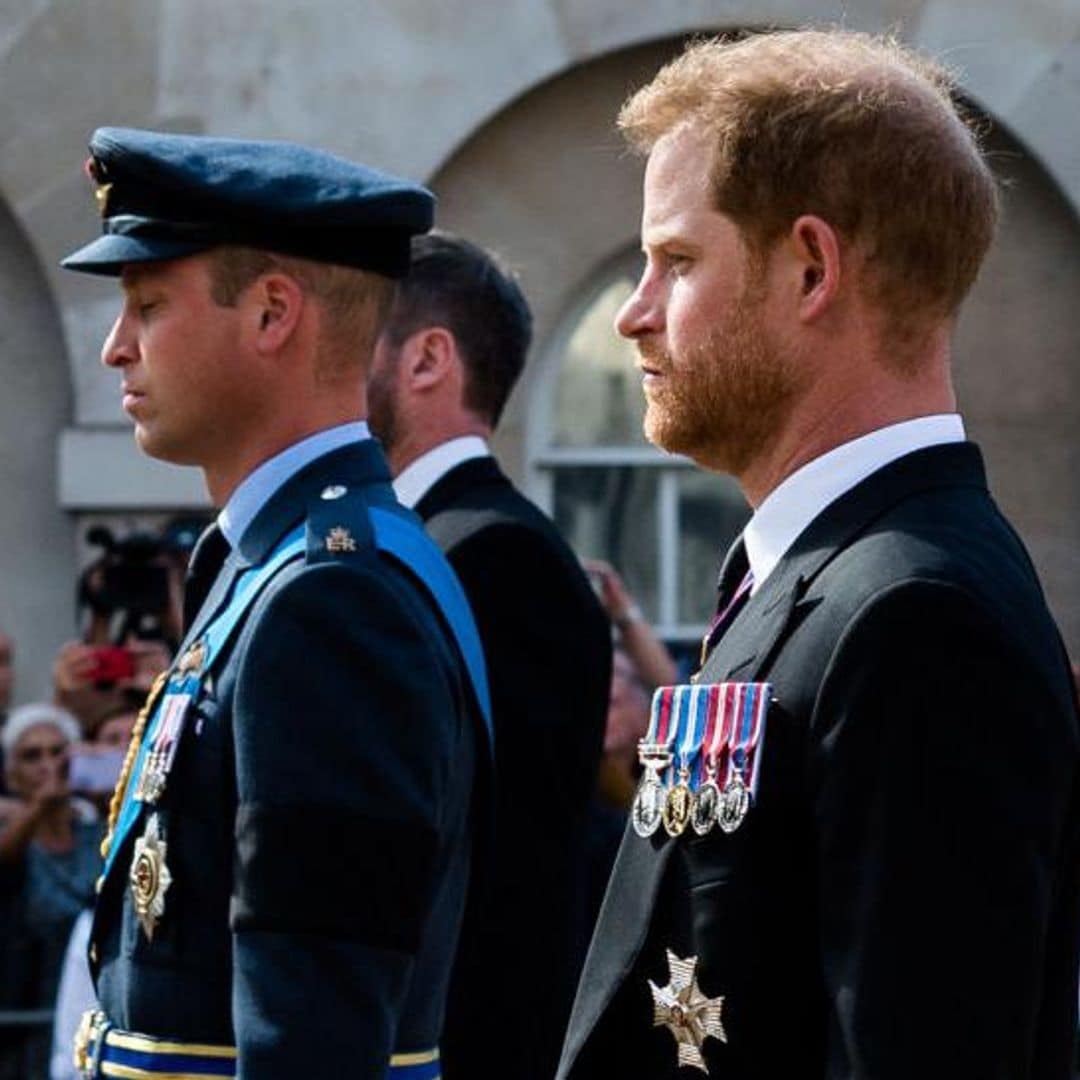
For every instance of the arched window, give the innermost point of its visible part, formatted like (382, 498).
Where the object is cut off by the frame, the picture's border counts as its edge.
(662, 522)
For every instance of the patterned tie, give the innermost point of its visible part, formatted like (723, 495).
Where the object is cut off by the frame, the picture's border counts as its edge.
(731, 597)
(206, 561)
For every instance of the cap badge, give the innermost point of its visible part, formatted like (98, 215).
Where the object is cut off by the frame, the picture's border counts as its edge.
(686, 1012)
(101, 189)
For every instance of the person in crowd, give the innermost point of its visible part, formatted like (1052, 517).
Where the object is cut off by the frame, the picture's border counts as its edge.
(288, 853)
(103, 753)
(855, 851)
(49, 862)
(93, 681)
(451, 352)
(636, 638)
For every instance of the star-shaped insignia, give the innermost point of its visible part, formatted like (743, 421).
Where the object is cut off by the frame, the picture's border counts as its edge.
(686, 1012)
(150, 877)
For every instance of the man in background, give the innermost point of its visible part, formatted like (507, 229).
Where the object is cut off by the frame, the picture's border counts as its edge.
(444, 367)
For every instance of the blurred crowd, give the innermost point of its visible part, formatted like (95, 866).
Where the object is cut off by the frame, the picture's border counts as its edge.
(61, 758)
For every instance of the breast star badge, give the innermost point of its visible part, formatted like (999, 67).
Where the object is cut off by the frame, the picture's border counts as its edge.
(686, 1012)
(150, 877)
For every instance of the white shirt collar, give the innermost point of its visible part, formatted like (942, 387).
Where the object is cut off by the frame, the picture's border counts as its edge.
(421, 475)
(791, 506)
(258, 486)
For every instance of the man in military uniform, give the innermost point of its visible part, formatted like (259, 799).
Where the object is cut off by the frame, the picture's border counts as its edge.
(451, 352)
(854, 851)
(290, 841)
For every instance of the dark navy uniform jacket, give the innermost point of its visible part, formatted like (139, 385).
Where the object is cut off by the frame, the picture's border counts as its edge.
(903, 899)
(317, 816)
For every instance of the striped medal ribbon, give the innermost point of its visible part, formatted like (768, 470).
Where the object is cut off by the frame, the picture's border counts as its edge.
(721, 717)
(751, 704)
(691, 710)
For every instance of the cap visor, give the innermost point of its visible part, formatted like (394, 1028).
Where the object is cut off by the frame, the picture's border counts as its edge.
(109, 254)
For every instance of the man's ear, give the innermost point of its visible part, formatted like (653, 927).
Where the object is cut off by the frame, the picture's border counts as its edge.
(814, 246)
(275, 304)
(429, 357)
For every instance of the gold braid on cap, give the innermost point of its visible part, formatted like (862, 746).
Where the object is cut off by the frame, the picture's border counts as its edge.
(137, 731)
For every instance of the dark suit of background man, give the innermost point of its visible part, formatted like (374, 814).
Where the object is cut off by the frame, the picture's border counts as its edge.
(289, 905)
(444, 367)
(901, 899)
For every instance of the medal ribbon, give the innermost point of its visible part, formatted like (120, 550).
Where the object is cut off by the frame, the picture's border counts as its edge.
(680, 713)
(696, 715)
(714, 721)
(247, 589)
(660, 720)
(750, 706)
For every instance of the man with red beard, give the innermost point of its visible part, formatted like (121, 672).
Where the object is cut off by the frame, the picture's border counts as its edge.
(853, 852)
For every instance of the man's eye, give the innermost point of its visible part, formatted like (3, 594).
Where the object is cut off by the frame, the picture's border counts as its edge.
(147, 306)
(679, 264)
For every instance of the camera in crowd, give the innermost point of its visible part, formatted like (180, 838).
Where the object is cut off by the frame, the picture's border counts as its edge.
(131, 591)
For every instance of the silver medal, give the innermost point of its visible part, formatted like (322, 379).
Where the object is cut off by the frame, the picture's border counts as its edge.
(706, 806)
(648, 809)
(734, 803)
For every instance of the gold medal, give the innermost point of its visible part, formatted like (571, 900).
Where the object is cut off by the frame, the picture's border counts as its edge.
(149, 877)
(686, 1012)
(678, 805)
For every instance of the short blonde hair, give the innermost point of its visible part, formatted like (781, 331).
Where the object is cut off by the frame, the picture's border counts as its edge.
(854, 128)
(355, 303)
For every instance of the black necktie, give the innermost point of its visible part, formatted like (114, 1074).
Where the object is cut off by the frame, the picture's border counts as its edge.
(733, 590)
(207, 558)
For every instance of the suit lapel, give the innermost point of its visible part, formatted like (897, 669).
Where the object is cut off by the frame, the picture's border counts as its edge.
(754, 637)
(620, 933)
(452, 485)
(743, 654)
(219, 592)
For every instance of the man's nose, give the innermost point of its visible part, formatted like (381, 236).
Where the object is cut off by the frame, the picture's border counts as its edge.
(642, 313)
(119, 348)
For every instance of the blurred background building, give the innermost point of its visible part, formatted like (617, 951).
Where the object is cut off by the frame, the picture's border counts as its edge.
(506, 109)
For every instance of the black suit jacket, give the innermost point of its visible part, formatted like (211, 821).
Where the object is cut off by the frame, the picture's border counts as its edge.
(317, 817)
(547, 644)
(902, 900)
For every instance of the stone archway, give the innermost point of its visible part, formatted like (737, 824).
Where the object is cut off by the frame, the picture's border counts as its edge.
(36, 538)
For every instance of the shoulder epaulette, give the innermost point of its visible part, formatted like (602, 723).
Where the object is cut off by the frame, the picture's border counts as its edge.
(338, 525)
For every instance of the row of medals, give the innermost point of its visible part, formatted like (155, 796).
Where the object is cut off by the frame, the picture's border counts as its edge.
(677, 806)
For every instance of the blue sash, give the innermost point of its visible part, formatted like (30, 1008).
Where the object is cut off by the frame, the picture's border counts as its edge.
(248, 588)
(395, 535)
(407, 542)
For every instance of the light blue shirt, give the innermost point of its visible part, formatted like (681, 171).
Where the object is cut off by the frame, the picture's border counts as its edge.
(257, 487)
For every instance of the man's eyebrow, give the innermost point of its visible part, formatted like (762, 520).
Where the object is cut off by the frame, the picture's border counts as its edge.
(665, 237)
(132, 277)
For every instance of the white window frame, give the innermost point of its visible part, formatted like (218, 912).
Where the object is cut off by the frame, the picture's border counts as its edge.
(543, 460)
